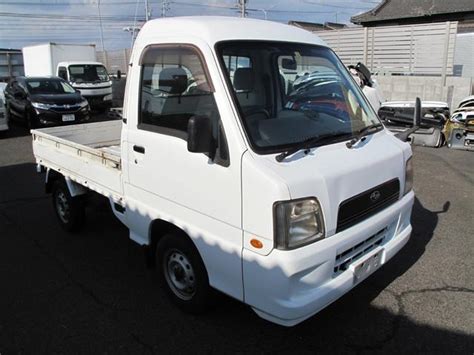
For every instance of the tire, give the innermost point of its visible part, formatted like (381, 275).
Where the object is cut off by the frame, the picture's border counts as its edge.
(30, 123)
(182, 274)
(69, 210)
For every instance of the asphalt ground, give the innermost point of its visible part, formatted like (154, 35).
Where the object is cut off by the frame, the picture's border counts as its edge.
(92, 292)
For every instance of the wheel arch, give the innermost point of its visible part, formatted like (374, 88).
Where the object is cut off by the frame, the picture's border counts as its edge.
(74, 188)
(159, 228)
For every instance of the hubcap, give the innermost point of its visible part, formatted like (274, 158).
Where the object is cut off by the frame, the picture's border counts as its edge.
(179, 274)
(62, 206)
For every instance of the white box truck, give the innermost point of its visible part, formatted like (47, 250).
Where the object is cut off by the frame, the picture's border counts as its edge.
(76, 64)
(283, 198)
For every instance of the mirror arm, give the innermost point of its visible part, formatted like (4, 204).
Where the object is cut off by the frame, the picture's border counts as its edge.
(403, 136)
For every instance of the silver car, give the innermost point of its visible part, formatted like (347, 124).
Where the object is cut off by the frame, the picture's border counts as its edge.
(3, 113)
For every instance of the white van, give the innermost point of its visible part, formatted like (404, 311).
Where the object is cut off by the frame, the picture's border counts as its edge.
(282, 197)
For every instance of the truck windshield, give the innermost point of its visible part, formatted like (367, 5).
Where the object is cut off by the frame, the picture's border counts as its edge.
(88, 73)
(288, 93)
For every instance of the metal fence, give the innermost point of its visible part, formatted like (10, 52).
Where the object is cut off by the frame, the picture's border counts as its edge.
(426, 49)
(115, 60)
(11, 64)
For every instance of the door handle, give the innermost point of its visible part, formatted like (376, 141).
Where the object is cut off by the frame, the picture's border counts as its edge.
(139, 149)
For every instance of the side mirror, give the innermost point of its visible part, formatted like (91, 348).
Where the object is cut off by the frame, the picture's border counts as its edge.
(200, 139)
(361, 68)
(403, 136)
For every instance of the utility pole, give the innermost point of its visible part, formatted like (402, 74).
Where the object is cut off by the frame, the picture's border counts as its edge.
(242, 6)
(164, 7)
(102, 35)
(147, 11)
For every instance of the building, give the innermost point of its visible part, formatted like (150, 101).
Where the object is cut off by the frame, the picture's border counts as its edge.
(408, 12)
(313, 27)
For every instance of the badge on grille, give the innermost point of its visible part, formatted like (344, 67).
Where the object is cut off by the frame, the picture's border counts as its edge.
(374, 196)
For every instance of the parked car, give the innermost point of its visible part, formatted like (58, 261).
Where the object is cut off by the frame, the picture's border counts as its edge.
(397, 116)
(459, 129)
(467, 102)
(3, 115)
(283, 208)
(45, 102)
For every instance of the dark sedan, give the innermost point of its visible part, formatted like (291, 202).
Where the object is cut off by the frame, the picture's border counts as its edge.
(45, 102)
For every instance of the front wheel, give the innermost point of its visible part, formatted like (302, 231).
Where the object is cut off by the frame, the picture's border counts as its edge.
(181, 272)
(30, 121)
(69, 210)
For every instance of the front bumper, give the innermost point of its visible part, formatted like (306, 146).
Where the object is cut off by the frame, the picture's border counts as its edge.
(287, 287)
(99, 101)
(461, 139)
(52, 118)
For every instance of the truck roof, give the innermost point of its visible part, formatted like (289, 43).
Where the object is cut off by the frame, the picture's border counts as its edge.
(80, 62)
(213, 29)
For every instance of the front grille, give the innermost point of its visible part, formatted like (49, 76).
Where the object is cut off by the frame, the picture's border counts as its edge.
(362, 206)
(65, 109)
(344, 259)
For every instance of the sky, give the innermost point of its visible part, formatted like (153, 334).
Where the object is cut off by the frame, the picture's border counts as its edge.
(25, 22)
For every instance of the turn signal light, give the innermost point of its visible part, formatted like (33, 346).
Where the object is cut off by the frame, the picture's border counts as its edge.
(256, 243)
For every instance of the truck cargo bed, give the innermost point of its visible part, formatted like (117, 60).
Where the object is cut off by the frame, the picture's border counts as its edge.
(88, 154)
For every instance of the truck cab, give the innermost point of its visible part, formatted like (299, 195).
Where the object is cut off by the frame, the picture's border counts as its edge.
(235, 178)
(91, 79)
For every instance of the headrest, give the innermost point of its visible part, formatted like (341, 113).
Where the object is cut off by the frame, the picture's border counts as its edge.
(173, 80)
(244, 79)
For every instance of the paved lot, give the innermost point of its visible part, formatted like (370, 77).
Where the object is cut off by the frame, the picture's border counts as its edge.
(92, 293)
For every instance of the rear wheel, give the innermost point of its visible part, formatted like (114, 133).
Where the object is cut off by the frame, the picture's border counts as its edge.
(182, 274)
(69, 210)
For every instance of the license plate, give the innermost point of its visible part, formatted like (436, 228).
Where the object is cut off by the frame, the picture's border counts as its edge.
(367, 266)
(68, 118)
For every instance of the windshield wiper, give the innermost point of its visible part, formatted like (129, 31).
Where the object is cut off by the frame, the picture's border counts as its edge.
(363, 133)
(311, 143)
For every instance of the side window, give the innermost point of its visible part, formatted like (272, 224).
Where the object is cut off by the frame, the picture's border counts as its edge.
(22, 87)
(174, 87)
(62, 73)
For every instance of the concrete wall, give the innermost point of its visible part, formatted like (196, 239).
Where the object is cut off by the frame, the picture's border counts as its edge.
(428, 88)
(464, 54)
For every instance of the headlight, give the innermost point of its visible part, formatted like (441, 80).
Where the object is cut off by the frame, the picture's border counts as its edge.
(41, 105)
(83, 104)
(297, 223)
(408, 177)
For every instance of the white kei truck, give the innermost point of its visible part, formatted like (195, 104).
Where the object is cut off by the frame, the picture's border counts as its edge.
(75, 63)
(282, 196)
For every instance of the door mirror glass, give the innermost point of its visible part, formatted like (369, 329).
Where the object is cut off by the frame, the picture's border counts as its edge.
(200, 139)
